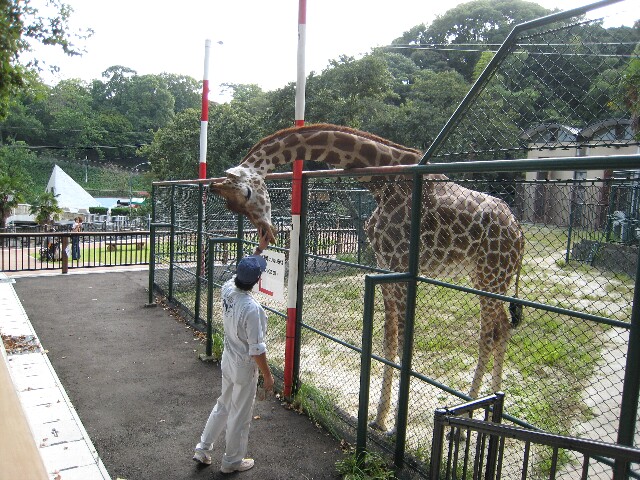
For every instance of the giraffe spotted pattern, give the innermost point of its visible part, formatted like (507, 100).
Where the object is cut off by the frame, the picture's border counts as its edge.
(462, 231)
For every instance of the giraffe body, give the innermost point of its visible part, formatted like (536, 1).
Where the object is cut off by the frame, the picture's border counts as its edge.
(463, 232)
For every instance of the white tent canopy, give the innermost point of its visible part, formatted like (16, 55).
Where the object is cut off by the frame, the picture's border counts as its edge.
(70, 195)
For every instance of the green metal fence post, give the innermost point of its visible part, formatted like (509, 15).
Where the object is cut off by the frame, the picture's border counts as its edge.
(209, 347)
(631, 385)
(407, 349)
(365, 366)
(240, 239)
(172, 241)
(152, 247)
(359, 227)
(152, 262)
(210, 272)
(199, 258)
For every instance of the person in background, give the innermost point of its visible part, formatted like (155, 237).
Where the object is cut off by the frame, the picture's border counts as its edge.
(75, 239)
(245, 353)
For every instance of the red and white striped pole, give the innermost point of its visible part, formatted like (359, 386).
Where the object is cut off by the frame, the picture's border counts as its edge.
(204, 119)
(296, 207)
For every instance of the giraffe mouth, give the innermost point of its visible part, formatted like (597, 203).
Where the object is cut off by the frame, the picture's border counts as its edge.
(235, 205)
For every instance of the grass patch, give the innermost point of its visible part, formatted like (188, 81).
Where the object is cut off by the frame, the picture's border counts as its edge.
(319, 405)
(370, 467)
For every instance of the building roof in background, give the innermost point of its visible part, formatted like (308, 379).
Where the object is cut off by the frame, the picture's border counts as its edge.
(69, 194)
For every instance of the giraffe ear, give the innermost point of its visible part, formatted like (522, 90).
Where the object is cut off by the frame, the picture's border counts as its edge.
(236, 172)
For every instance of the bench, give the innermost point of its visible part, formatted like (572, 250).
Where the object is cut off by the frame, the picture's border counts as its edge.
(113, 246)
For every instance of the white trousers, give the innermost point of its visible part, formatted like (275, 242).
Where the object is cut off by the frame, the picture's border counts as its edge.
(233, 410)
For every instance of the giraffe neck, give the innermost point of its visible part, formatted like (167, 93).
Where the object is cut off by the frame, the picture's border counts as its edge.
(341, 147)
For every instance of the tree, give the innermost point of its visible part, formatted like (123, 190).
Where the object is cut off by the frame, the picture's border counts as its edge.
(337, 94)
(72, 122)
(402, 70)
(173, 152)
(631, 90)
(186, 91)
(26, 115)
(432, 100)
(21, 23)
(147, 103)
(46, 209)
(475, 22)
(14, 179)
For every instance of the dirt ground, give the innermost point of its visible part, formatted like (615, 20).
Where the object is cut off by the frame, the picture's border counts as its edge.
(141, 392)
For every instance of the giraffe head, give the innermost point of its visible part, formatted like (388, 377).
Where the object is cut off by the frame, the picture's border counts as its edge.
(246, 193)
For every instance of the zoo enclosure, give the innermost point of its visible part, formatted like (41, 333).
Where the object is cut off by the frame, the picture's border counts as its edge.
(572, 364)
(557, 333)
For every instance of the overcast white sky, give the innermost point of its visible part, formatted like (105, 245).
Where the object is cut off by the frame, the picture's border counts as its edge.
(259, 36)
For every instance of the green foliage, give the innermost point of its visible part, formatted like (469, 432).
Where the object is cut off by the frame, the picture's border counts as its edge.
(14, 178)
(98, 210)
(479, 21)
(21, 24)
(406, 95)
(217, 346)
(120, 211)
(631, 91)
(174, 152)
(371, 467)
(318, 405)
(46, 209)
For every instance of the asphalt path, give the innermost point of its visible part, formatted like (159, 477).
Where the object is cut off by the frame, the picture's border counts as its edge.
(140, 390)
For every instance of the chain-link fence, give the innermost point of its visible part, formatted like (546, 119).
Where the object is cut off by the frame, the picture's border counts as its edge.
(573, 197)
(565, 362)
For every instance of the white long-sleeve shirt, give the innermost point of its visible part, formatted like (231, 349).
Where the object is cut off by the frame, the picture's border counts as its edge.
(245, 324)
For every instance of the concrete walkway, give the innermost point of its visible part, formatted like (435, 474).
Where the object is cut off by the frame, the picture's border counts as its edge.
(63, 443)
(124, 385)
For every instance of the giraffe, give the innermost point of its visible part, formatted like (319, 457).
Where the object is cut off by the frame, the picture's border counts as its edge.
(463, 232)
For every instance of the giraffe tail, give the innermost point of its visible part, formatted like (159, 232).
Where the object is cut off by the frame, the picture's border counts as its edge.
(515, 309)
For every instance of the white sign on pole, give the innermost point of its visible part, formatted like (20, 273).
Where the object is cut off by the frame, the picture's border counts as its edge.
(272, 281)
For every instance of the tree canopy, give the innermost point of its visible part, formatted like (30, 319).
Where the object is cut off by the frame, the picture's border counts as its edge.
(405, 92)
(21, 25)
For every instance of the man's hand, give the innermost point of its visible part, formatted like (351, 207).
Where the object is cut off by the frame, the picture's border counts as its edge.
(263, 366)
(267, 382)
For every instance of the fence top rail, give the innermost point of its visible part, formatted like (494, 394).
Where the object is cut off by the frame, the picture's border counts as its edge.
(611, 162)
(585, 445)
(76, 234)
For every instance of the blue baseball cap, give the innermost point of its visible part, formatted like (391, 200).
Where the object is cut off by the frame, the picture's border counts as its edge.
(250, 268)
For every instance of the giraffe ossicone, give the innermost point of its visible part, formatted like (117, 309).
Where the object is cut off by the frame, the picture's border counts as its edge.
(462, 232)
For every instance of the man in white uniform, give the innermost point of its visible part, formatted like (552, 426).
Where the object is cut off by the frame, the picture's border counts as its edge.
(245, 352)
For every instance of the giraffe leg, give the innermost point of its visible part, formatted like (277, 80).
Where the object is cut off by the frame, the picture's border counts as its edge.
(485, 346)
(494, 334)
(389, 351)
(484, 351)
(502, 332)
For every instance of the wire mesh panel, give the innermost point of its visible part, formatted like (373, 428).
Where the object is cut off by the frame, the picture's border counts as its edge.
(563, 88)
(561, 241)
(563, 372)
(555, 362)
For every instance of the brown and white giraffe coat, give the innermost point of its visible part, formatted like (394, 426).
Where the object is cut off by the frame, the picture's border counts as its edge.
(463, 232)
